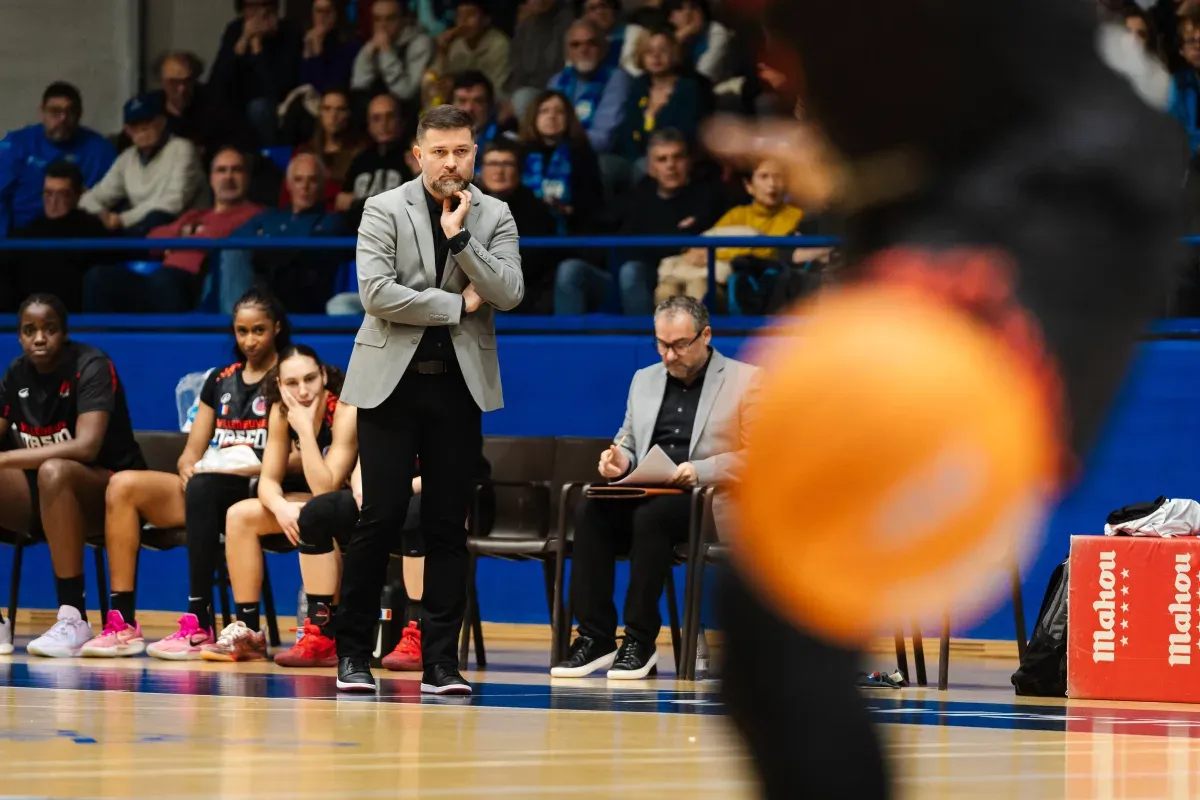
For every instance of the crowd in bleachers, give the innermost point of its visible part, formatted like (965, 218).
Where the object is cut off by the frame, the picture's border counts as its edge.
(588, 117)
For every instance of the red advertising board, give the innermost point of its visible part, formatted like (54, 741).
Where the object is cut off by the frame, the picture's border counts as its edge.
(1133, 614)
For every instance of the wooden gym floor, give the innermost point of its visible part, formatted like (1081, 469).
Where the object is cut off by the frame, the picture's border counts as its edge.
(151, 729)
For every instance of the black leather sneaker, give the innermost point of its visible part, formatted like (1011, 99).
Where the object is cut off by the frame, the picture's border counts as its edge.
(354, 675)
(441, 679)
(635, 660)
(587, 655)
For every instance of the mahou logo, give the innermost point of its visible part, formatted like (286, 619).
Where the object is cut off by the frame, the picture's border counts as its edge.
(1104, 637)
(1179, 650)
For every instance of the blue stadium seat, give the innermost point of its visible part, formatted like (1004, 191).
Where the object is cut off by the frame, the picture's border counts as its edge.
(280, 155)
(143, 267)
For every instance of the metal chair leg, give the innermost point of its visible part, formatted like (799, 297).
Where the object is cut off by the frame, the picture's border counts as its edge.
(944, 655)
(919, 655)
(464, 645)
(268, 597)
(101, 581)
(14, 590)
(692, 619)
(673, 615)
(477, 620)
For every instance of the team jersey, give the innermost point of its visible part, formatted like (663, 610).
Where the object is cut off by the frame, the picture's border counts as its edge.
(43, 409)
(240, 407)
(325, 434)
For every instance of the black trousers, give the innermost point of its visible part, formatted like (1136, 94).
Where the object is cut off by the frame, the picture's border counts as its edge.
(646, 531)
(432, 417)
(795, 701)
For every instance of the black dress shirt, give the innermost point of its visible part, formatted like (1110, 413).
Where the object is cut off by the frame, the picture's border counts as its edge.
(677, 415)
(435, 343)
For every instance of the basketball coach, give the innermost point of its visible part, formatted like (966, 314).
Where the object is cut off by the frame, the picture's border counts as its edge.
(435, 258)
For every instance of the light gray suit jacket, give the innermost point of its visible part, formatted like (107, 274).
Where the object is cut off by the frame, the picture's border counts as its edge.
(396, 277)
(718, 433)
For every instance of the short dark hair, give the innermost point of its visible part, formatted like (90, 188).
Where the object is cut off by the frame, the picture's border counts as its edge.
(66, 170)
(682, 304)
(44, 299)
(469, 79)
(64, 90)
(667, 136)
(502, 145)
(445, 118)
(194, 63)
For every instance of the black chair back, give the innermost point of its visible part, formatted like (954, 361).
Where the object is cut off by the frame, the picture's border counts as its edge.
(518, 465)
(161, 449)
(575, 460)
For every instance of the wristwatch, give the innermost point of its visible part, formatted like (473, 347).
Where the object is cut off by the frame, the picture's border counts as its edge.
(458, 242)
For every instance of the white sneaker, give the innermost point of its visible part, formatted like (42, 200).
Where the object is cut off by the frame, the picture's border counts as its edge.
(6, 635)
(66, 639)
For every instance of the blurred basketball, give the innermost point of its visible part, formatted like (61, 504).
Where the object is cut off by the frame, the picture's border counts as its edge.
(898, 455)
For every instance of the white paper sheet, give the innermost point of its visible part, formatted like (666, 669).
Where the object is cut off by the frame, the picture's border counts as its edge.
(654, 470)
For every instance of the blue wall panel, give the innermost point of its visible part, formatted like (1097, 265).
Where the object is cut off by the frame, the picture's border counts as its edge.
(576, 384)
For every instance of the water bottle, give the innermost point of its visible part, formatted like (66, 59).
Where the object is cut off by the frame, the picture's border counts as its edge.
(301, 613)
(702, 656)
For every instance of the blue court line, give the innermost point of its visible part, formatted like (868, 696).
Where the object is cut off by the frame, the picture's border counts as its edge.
(894, 708)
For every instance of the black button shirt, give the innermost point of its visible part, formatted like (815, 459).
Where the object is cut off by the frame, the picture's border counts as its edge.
(435, 343)
(677, 416)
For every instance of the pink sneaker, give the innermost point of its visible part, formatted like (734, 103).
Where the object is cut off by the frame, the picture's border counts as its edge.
(118, 640)
(185, 643)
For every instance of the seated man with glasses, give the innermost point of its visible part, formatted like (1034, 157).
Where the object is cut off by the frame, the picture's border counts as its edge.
(692, 405)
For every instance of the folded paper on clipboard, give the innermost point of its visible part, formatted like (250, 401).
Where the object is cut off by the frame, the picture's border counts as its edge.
(656, 469)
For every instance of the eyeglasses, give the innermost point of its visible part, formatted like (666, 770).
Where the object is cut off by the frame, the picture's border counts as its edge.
(679, 348)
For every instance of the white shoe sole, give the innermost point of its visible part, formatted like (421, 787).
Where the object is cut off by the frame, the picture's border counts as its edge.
(178, 656)
(603, 662)
(6, 649)
(33, 650)
(632, 674)
(460, 689)
(360, 688)
(120, 651)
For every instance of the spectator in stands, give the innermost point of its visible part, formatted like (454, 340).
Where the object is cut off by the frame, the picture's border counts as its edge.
(1184, 97)
(662, 97)
(473, 44)
(303, 280)
(379, 168)
(336, 142)
(559, 164)
(153, 181)
(669, 203)
(475, 94)
(193, 111)
(229, 180)
(707, 45)
(326, 61)
(692, 405)
(502, 179)
(66, 408)
(395, 59)
(621, 38)
(596, 90)
(223, 454)
(768, 214)
(25, 154)
(258, 65)
(537, 49)
(61, 271)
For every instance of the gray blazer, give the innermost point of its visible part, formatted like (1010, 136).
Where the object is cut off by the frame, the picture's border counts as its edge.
(718, 433)
(396, 276)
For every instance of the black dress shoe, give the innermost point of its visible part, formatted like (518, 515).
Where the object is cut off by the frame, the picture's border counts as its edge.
(587, 655)
(441, 679)
(354, 675)
(635, 660)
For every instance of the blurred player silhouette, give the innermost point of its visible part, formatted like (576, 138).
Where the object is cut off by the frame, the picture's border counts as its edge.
(1012, 216)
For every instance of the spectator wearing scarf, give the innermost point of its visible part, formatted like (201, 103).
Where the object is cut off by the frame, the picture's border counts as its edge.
(559, 165)
(596, 90)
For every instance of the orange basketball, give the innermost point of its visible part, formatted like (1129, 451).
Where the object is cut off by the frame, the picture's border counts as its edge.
(896, 456)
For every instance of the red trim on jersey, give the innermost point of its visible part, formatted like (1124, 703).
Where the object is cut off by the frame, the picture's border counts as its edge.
(47, 430)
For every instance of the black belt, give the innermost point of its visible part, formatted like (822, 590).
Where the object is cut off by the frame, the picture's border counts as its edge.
(431, 367)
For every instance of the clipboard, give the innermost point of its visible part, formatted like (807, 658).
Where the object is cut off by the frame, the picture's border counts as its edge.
(611, 492)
